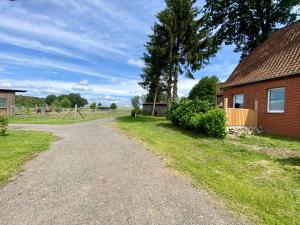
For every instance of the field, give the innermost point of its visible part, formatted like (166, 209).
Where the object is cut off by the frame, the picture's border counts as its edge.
(59, 118)
(18, 147)
(256, 176)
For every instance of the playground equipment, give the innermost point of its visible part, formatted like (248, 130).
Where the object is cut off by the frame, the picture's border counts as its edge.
(75, 111)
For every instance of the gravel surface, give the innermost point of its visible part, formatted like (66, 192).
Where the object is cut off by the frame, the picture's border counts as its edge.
(96, 175)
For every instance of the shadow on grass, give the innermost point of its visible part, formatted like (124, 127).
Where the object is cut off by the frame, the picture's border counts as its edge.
(190, 133)
(163, 123)
(279, 138)
(139, 119)
(292, 161)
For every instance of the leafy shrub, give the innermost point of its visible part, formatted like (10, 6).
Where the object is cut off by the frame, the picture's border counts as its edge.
(93, 106)
(215, 123)
(198, 121)
(181, 113)
(3, 125)
(65, 103)
(199, 115)
(136, 112)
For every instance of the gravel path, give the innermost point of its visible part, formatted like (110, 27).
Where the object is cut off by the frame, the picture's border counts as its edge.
(96, 175)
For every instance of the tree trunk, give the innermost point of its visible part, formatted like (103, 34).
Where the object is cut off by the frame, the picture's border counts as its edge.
(154, 102)
(175, 82)
(169, 88)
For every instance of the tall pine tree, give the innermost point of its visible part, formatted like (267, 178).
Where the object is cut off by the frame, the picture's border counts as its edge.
(180, 44)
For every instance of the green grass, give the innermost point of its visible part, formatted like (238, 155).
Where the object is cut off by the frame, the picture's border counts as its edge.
(264, 187)
(58, 118)
(18, 147)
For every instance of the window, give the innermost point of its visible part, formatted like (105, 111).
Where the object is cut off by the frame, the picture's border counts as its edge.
(238, 101)
(276, 100)
(3, 102)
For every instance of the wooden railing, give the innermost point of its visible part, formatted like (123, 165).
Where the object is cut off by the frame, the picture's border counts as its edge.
(241, 117)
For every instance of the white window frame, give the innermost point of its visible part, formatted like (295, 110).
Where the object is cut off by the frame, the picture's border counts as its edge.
(235, 98)
(275, 111)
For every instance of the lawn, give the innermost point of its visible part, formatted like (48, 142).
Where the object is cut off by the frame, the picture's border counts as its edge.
(55, 118)
(257, 176)
(18, 147)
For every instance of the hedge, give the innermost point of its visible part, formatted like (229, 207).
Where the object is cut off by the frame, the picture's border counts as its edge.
(199, 115)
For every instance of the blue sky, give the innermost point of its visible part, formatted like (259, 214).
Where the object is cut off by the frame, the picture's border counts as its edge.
(92, 47)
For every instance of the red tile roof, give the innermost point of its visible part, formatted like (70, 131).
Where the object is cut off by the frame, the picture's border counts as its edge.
(276, 57)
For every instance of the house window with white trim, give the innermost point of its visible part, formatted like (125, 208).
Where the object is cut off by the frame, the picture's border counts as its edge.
(238, 101)
(276, 99)
(3, 103)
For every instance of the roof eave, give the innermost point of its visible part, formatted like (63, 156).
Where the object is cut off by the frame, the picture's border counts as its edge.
(261, 80)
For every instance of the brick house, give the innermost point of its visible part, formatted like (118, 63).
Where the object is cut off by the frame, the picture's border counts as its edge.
(271, 75)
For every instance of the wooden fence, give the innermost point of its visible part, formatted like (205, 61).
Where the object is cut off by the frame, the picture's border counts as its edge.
(241, 117)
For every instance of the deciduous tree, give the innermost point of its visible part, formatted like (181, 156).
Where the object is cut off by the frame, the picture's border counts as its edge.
(247, 23)
(205, 89)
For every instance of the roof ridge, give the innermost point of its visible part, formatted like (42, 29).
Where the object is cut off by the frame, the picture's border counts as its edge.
(274, 56)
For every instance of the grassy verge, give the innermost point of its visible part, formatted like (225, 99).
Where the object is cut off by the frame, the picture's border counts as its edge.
(18, 147)
(58, 118)
(257, 176)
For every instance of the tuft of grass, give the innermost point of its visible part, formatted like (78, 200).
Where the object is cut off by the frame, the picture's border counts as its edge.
(261, 186)
(58, 118)
(18, 147)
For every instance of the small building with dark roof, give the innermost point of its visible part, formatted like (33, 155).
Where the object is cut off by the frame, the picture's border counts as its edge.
(270, 74)
(160, 109)
(7, 101)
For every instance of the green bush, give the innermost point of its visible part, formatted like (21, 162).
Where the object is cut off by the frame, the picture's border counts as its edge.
(181, 113)
(198, 121)
(199, 115)
(136, 112)
(3, 125)
(215, 123)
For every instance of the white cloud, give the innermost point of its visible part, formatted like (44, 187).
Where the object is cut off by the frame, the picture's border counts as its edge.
(185, 85)
(82, 86)
(4, 84)
(38, 46)
(136, 62)
(107, 92)
(44, 62)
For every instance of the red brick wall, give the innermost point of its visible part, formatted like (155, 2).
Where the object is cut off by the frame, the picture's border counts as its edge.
(287, 123)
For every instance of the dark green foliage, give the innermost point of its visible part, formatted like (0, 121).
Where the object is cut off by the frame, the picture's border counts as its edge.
(179, 45)
(65, 102)
(50, 99)
(136, 112)
(76, 99)
(28, 100)
(182, 112)
(247, 23)
(215, 123)
(3, 125)
(93, 106)
(113, 106)
(199, 115)
(205, 90)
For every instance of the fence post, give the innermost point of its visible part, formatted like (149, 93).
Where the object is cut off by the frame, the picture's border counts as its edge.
(256, 110)
(256, 105)
(225, 104)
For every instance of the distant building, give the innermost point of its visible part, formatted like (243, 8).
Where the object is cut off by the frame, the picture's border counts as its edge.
(7, 101)
(160, 109)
